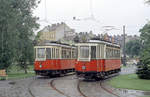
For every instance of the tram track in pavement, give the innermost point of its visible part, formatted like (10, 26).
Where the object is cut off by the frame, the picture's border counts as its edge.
(101, 85)
(106, 89)
(51, 84)
(79, 90)
(54, 88)
(29, 88)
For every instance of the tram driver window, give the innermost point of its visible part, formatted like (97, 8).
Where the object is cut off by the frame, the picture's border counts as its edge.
(84, 52)
(41, 52)
(93, 52)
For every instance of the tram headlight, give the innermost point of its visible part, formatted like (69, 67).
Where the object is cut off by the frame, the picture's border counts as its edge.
(40, 66)
(83, 67)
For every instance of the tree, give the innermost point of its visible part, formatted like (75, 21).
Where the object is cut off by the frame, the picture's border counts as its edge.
(26, 28)
(17, 24)
(133, 47)
(8, 33)
(143, 70)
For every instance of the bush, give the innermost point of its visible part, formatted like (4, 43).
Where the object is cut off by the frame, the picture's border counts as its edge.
(143, 71)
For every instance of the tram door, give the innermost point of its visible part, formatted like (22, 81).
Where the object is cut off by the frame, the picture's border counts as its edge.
(94, 59)
(93, 52)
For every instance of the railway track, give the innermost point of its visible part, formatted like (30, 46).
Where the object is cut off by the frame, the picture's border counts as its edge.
(79, 90)
(107, 90)
(51, 83)
(62, 93)
(101, 85)
(53, 86)
(30, 90)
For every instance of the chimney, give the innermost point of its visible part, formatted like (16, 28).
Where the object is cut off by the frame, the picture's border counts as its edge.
(57, 24)
(62, 23)
(112, 39)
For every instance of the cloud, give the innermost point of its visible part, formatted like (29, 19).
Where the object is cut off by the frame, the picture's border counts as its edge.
(132, 13)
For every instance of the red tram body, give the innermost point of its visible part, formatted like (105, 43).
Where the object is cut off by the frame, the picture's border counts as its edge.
(97, 59)
(54, 58)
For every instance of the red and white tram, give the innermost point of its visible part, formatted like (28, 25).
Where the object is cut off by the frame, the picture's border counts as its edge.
(97, 59)
(54, 58)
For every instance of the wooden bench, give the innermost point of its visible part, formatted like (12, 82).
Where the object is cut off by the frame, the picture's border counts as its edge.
(3, 75)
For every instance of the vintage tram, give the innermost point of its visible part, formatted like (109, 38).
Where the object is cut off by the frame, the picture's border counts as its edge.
(52, 58)
(97, 59)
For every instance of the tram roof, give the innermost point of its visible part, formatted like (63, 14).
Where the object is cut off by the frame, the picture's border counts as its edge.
(54, 43)
(100, 42)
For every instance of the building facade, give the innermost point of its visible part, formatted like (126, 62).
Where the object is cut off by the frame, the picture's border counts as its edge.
(56, 32)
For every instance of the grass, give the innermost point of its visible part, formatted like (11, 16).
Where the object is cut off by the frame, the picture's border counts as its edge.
(130, 81)
(19, 75)
(15, 72)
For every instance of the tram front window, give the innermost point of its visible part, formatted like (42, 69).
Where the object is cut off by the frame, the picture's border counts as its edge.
(40, 52)
(84, 52)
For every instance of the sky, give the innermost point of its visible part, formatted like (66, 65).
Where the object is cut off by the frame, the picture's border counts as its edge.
(95, 15)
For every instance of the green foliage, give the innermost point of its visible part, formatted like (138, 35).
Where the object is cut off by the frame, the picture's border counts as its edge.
(143, 70)
(8, 33)
(17, 24)
(133, 47)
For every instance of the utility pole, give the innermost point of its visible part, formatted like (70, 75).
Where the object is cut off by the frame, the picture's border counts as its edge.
(124, 46)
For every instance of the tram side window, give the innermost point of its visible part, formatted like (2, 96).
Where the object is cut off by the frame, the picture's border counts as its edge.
(93, 52)
(115, 53)
(119, 53)
(107, 53)
(102, 51)
(84, 52)
(57, 53)
(74, 53)
(54, 53)
(98, 51)
(48, 53)
(64, 53)
(68, 53)
(40, 52)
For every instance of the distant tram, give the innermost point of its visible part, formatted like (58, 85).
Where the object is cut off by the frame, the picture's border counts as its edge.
(97, 59)
(54, 59)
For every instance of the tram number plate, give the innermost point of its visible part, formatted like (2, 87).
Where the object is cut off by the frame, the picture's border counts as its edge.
(83, 67)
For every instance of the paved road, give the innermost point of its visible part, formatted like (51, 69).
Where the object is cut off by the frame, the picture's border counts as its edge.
(15, 88)
(41, 87)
